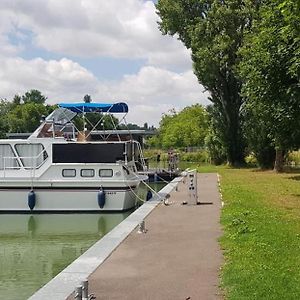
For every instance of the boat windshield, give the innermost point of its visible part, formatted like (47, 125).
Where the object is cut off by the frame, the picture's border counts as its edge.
(61, 116)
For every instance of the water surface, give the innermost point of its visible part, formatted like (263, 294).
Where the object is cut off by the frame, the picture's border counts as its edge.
(35, 248)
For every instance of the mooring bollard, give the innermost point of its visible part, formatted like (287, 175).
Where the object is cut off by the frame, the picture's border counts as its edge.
(85, 289)
(78, 293)
(142, 228)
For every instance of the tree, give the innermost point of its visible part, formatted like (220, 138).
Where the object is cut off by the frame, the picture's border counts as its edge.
(17, 100)
(213, 141)
(183, 129)
(5, 107)
(270, 69)
(34, 96)
(87, 98)
(16, 116)
(214, 31)
(26, 117)
(257, 133)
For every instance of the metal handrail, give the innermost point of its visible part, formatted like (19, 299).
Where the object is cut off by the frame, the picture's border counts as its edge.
(6, 158)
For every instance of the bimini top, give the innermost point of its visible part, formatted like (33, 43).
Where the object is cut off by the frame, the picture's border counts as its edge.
(95, 107)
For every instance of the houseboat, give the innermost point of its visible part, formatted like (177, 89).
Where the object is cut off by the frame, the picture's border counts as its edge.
(58, 169)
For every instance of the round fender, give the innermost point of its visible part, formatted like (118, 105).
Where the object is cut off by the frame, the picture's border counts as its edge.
(31, 199)
(149, 195)
(101, 198)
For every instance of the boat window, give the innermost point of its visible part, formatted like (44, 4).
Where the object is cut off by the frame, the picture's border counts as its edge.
(8, 159)
(87, 173)
(31, 155)
(88, 153)
(68, 172)
(105, 172)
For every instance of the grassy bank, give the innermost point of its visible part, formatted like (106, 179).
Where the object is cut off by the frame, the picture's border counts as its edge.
(261, 241)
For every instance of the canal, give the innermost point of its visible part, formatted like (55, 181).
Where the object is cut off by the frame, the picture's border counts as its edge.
(35, 248)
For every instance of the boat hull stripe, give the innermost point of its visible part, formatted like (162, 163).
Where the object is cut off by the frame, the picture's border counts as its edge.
(51, 188)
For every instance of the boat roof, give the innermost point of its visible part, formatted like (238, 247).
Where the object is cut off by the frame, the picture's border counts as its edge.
(94, 107)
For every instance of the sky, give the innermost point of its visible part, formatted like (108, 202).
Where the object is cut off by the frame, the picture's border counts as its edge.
(112, 50)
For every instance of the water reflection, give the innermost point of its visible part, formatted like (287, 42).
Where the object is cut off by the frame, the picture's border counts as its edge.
(35, 248)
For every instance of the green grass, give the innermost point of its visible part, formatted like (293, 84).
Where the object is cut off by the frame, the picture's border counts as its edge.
(261, 241)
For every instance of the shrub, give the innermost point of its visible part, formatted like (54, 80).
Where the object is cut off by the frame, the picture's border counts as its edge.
(293, 158)
(199, 156)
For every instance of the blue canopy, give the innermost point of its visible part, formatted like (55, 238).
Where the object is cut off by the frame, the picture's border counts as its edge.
(95, 107)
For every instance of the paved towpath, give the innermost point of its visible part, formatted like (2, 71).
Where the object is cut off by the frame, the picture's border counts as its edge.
(178, 258)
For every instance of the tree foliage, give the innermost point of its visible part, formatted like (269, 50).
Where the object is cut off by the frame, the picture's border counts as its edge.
(26, 117)
(270, 68)
(32, 96)
(214, 31)
(5, 107)
(183, 129)
(87, 98)
(23, 113)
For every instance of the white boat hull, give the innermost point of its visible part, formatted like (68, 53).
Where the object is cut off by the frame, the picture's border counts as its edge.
(66, 200)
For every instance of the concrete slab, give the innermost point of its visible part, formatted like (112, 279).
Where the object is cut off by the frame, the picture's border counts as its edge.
(178, 258)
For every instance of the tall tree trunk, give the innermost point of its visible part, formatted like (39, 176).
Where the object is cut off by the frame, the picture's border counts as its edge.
(279, 160)
(233, 134)
(235, 153)
(265, 157)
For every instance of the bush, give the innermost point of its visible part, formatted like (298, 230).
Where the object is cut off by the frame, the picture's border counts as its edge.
(200, 156)
(216, 151)
(293, 158)
(251, 160)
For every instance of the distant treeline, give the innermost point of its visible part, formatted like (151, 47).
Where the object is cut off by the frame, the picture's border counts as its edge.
(23, 114)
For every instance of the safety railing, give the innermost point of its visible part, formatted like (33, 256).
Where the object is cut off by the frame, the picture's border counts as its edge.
(24, 162)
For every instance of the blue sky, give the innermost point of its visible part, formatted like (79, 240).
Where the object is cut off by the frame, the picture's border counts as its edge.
(112, 50)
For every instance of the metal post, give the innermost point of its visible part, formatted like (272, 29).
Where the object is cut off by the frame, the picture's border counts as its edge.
(192, 186)
(85, 289)
(78, 293)
(142, 228)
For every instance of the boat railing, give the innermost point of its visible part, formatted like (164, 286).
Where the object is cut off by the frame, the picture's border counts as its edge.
(26, 162)
(143, 162)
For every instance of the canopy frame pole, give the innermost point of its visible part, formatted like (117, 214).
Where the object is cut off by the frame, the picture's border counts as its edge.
(96, 126)
(83, 117)
(115, 127)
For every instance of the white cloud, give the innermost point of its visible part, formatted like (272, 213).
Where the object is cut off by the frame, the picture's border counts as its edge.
(149, 93)
(153, 91)
(89, 28)
(53, 78)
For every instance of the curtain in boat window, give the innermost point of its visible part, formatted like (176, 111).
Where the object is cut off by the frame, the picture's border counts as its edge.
(7, 158)
(32, 155)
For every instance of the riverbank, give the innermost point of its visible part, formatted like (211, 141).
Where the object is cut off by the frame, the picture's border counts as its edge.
(261, 240)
